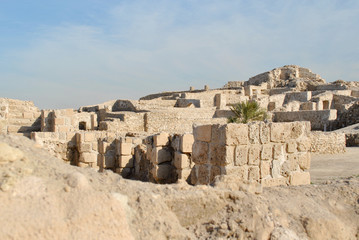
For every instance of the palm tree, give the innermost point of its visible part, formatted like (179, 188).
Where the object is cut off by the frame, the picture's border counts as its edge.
(247, 111)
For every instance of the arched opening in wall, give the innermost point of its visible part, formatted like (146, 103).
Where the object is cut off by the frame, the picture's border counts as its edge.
(82, 125)
(325, 105)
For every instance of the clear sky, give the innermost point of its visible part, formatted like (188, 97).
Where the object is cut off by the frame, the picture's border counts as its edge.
(71, 53)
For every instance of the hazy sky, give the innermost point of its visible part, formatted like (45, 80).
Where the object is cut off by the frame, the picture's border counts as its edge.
(71, 53)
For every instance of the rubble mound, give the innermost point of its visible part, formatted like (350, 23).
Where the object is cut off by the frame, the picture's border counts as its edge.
(289, 76)
(44, 198)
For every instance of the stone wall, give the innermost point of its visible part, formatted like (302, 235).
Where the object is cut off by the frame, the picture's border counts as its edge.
(327, 142)
(320, 120)
(268, 153)
(17, 116)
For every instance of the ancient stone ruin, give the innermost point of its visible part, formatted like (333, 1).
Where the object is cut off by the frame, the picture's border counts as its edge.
(169, 136)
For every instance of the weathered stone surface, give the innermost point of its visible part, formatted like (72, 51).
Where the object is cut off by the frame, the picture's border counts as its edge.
(304, 160)
(186, 143)
(181, 160)
(203, 133)
(291, 146)
(160, 139)
(265, 169)
(161, 155)
(299, 178)
(241, 155)
(240, 171)
(200, 152)
(215, 171)
(254, 155)
(253, 173)
(280, 132)
(203, 174)
(254, 132)
(125, 148)
(125, 161)
(236, 134)
(267, 152)
(272, 182)
(221, 155)
(264, 133)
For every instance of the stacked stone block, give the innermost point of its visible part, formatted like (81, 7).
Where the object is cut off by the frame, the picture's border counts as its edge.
(268, 153)
(327, 142)
(125, 157)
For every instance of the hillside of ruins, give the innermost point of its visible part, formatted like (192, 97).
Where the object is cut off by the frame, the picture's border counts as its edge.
(213, 179)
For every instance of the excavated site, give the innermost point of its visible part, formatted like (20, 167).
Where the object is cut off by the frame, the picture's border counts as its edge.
(170, 166)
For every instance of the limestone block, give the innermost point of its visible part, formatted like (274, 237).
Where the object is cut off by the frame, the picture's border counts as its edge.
(62, 128)
(254, 154)
(203, 133)
(149, 151)
(62, 136)
(28, 115)
(253, 173)
(299, 129)
(236, 134)
(267, 152)
(299, 178)
(89, 137)
(186, 144)
(203, 176)
(291, 164)
(276, 169)
(160, 139)
(109, 159)
(214, 171)
(304, 160)
(241, 172)
(176, 142)
(254, 132)
(280, 132)
(200, 152)
(265, 167)
(102, 147)
(59, 121)
(303, 144)
(87, 157)
(162, 172)
(128, 140)
(193, 176)
(161, 155)
(278, 151)
(181, 161)
(183, 173)
(291, 146)
(221, 155)
(272, 182)
(125, 161)
(264, 132)
(241, 155)
(125, 148)
(85, 147)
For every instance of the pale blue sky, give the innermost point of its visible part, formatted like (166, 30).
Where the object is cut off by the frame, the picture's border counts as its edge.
(66, 53)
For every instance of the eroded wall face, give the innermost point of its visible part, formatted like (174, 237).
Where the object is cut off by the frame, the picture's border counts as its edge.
(268, 153)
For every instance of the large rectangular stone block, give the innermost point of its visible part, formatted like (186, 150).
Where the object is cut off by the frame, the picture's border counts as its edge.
(304, 160)
(253, 173)
(203, 176)
(280, 132)
(203, 133)
(125, 161)
(89, 137)
(272, 182)
(221, 155)
(85, 147)
(299, 178)
(160, 139)
(236, 134)
(186, 143)
(240, 171)
(161, 155)
(254, 154)
(125, 148)
(181, 160)
(200, 152)
(265, 167)
(264, 132)
(241, 155)
(267, 152)
(254, 132)
(88, 157)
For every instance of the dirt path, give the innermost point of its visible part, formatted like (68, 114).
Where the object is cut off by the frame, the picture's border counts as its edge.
(330, 166)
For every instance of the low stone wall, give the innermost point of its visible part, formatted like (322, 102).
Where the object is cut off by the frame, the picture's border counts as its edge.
(327, 142)
(268, 153)
(320, 120)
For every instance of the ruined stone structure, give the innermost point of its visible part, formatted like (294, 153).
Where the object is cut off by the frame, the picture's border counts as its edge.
(184, 135)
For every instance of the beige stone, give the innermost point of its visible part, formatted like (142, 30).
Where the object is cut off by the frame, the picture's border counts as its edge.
(200, 152)
(291, 146)
(299, 178)
(28, 115)
(88, 157)
(278, 151)
(162, 172)
(89, 137)
(253, 173)
(59, 121)
(304, 160)
(85, 147)
(267, 152)
(63, 128)
(102, 146)
(125, 161)
(264, 132)
(203, 133)
(160, 139)
(254, 155)
(186, 143)
(9, 154)
(280, 132)
(241, 155)
(236, 134)
(181, 161)
(272, 182)
(254, 132)
(183, 173)
(265, 168)
(241, 171)
(161, 155)
(125, 148)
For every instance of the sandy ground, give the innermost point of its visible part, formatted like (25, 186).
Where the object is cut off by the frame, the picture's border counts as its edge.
(326, 167)
(43, 198)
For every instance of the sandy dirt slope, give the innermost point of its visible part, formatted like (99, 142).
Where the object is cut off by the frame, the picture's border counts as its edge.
(43, 198)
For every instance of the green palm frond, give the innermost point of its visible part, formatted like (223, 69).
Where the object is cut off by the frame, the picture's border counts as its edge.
(247, 111)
